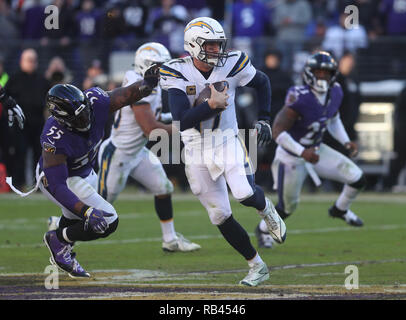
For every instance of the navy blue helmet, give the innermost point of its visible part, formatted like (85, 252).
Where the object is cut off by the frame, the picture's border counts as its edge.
(321, 60)
(70, 106)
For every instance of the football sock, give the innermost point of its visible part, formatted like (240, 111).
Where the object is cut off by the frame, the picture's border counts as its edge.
(163, 207)
(257, 259)
(257, 200)
(346, 197)
(61, 230)
(238, 238)
(61, 235)
(168, 230)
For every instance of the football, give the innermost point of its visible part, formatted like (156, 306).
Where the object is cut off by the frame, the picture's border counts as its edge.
(206, 92)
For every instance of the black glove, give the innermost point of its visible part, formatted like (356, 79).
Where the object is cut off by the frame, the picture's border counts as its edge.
(151, 78)
(264, 132)
(13, 109)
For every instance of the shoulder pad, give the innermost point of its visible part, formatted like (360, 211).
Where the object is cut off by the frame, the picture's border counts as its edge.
(178, 60)
(294, 94)
(242, 60)
(170, 71)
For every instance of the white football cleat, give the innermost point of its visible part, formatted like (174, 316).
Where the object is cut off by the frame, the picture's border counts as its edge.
(276, 226)
(53, 223)
(180, 243)
(257, 274)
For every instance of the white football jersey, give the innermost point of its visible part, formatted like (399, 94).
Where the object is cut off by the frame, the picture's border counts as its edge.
(126, 133)
(182, 74)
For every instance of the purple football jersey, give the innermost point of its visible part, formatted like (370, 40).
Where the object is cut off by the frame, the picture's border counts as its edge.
(80, 149)
(308, 130)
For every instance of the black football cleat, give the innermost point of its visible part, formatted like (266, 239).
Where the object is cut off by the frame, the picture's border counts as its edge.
(348, 216)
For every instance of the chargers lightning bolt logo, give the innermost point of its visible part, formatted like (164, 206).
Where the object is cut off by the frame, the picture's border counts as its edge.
(200, 24)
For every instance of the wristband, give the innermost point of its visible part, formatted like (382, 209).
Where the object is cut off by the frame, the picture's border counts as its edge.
(286, 141)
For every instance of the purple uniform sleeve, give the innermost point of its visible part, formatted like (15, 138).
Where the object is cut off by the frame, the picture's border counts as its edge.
(53, 138)
(292, 100)
(100, 101)
(56, 178)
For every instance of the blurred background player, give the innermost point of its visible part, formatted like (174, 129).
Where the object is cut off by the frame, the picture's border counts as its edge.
(12, 110)
(211, 167)
(309, 111)
(70, 141)
(124, 154)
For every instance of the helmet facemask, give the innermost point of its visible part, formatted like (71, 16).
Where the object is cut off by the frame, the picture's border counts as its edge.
(80, 121)
(216, 59)
(319, 85)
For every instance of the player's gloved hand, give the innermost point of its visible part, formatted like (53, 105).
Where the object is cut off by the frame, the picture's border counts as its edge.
(96, 220)
(352, 148)
(151, 78)
(218, 100)
(310, 155)
(264, 132)
(13, 109)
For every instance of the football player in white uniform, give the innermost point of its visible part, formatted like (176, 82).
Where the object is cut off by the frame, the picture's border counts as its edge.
(124, 153)
(209, 166)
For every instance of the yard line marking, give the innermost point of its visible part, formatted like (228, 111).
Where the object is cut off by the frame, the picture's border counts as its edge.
(142, 274)
(212, 236)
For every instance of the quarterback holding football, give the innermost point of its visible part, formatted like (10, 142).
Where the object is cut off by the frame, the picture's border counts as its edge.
(215, 156)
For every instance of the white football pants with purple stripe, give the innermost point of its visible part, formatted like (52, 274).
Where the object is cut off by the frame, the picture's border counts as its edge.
(86, 190)
(289, 173)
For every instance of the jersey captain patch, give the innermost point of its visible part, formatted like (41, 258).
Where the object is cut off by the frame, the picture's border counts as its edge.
(190, 90)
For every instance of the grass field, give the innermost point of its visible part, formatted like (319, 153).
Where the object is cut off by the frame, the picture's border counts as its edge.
(130, 264)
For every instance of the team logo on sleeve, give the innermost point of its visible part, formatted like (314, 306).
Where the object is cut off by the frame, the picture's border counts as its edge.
(49, 147)
(291, 98)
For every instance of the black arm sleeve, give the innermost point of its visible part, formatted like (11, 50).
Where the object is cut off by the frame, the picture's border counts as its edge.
(262, 86)
(181, 111)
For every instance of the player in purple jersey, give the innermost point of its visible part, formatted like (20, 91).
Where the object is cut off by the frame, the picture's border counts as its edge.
(70, 141)
(298, 129)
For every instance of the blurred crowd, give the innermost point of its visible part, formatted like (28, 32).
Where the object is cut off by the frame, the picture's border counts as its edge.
(277, 34)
